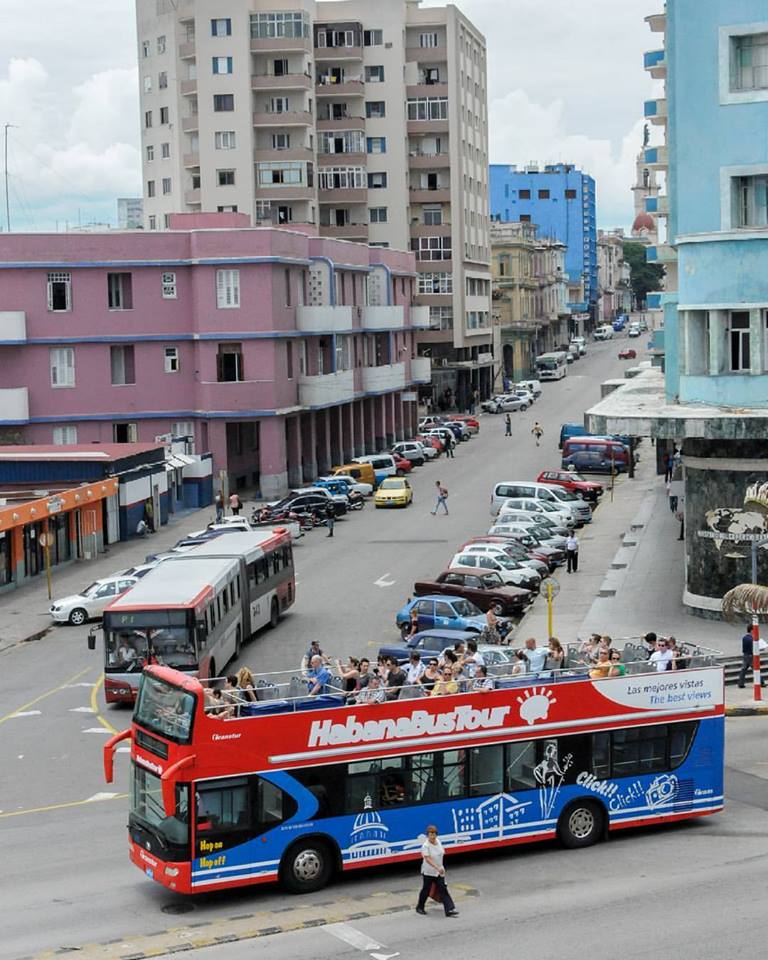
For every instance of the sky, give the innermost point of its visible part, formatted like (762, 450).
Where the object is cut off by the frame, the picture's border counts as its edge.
(565, 78)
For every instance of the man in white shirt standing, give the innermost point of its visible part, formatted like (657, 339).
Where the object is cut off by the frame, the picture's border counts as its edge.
(572, 553)
(662, 658)
(537, 656)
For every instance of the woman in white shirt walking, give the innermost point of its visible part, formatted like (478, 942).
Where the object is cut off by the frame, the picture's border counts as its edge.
(433, 872)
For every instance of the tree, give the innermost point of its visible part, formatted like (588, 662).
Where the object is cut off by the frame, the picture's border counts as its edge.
(645, 276)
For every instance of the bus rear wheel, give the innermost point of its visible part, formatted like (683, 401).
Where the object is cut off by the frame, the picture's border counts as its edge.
(581, 824)
(307, 866)
(274, 613)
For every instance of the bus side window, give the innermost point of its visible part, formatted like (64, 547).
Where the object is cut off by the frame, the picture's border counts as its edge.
(276, 562)
(232, 594)
(520, 761)
(237, 587)
(486, 771)
(225, 599)
(263, 570)
(289, 556)
(218, 607)
(601, 755)
(251, 575)
(211, 614)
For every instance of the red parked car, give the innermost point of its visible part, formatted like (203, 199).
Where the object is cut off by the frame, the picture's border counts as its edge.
(572, 481)
(473, 424)
(627, 354)
(403, 465)
(435, 442)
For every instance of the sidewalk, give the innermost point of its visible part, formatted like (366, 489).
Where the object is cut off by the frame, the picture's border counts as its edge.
(24, 611)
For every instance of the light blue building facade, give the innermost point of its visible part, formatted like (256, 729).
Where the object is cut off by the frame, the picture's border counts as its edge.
(561, 200)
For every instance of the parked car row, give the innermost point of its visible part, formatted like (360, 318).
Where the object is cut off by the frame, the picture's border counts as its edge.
(518, 398)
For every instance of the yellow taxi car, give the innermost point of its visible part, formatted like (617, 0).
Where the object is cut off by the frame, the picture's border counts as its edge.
(393, 492)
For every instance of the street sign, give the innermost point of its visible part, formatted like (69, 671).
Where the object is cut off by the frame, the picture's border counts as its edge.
(548, 582)
(736, 537)
(45, 540)
(409, 396)
(55, 505)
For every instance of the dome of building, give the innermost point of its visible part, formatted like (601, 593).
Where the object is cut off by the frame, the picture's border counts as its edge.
(643, 221)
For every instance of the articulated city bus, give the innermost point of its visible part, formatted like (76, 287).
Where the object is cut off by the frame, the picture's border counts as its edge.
(194, 611)
(552, 366)
(297, 789)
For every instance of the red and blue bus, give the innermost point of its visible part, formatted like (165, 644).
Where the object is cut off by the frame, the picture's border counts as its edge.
(296, 789)
(196, 609)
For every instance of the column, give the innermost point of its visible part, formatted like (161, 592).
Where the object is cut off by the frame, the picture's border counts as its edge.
(718, 338)
(358, 415)
(388, 402)
(323, 445)
(334, 435)
(370, 425)
(348, 432)
(379, 428)
(308, 447)
(273, 459)
(295, 449)
(399, 417)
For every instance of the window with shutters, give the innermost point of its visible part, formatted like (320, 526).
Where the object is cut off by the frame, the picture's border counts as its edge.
(229, 363)
(168, 281)
(59, 292)
(125, 432)
(227, 289)
(64, 435)
(225, 140)
(119, 291)
(62, 367)
(123, 367)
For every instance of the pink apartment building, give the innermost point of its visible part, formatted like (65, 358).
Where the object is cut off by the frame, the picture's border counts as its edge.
(279, 352)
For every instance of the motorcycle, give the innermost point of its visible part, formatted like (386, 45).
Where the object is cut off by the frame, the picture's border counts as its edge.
(356, 501)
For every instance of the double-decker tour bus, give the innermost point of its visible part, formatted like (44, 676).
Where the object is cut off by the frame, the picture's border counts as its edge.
(194, 611)
(552, 366)
(295, 789)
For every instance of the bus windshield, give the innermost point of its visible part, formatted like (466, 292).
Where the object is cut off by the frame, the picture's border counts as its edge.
(128, 649)
(165, 710)
(549, 364)
(146, 811)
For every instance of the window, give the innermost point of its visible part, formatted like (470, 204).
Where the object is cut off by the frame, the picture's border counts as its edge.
(432, 248)
(377, 181)
(341, 141)
(377, 214)
(341, 178)
(335, 38)
(221, 27)
(161, 44)
(164, 115)
(150, 188)
(375, 109)
(185, 428)
(150, 152)
(570, 194)
(543, 194)
(441, 318)
(171, 359)
(525, 218)
(223, 102)
(749, 62)
(524, 194)
(119, 291)
(122, 365)
(281, 141)
(428, 108)
(147, 119)
(738, 337)
(60, 292)
(432, 216)
(64, 435)
(435, 283)
(376, 145)
(227, 289)
(227, 208)
(152, 222)
(428, 40)
(162, 80)
(268, 25)
(147, 83)
(145, 48)
(222, 64)
(374, 74)
(373, 38)
(224, 140)
(750, 201)
(62, 367)
(275, 173)
(165, 151)
(225, 178)
(229, 363)
(166, 186)
(125, 433)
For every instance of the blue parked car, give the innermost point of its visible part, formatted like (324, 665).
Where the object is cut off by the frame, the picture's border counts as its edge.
(428, 643)
(443, 613)
(336, 488)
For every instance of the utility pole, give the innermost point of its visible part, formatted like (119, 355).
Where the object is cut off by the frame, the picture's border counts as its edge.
(7, 203)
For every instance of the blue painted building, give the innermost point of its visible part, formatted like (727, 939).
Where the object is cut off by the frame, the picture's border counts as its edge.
(561, 200)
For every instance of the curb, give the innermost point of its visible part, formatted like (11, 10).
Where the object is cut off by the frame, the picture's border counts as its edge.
(32, 637)
(747, 710)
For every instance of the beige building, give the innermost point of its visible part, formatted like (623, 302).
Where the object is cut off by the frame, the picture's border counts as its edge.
(367, 120)
(529, 295)
(613, 273)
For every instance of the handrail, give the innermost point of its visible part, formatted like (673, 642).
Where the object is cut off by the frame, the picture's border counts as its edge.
(109, 752)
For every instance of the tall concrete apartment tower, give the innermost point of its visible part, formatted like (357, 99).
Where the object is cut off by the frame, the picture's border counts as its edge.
(365, 119)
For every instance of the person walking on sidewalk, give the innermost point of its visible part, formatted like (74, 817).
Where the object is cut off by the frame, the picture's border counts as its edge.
(330, 517)
(449, 445)
(746, 657)
(572, 553)
(219, 504)
(235, 505)
(538, 432)
(442, 497)
(433, 875)
(507, 426)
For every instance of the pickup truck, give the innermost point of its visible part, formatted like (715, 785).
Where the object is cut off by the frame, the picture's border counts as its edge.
(571, 480)
(486, 590)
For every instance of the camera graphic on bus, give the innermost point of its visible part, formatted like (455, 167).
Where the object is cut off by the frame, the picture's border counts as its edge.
(663, 790)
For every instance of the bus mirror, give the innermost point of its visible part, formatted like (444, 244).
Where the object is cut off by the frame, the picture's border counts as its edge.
(92, 639)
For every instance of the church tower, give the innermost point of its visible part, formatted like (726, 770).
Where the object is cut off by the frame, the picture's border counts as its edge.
(644, 228)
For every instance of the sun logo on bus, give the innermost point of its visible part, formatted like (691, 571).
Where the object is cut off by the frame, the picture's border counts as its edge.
(534, 704)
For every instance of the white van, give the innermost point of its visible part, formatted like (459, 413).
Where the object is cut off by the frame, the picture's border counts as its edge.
(604, 333)
(533, 385)
(383, 464)
(581, 511)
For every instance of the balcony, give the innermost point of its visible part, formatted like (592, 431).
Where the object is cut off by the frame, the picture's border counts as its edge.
(187, 51)
(268, 155)
(334, 159)
(188, 88)
(390, 376)
(189, 124)
(384, 318)
(423, 195)
(420, 318)
(14, 405)
(421, 370)
(426, 54)
(426, 230)
(656, 110)
(327, 389)
(426, 127)
(657, 158)
(285, 81)
(426, 90)
(429, 161)
(281, 44)
(284, 191)
(655, 62)
(657, 22)
(337, 54)
(290, 118)
(350, 231)
(326, 319)
(13, 326)
(346, 88)
(343, 197)
(191, 159)
(236, 395)
(193, 197)
(341, 123)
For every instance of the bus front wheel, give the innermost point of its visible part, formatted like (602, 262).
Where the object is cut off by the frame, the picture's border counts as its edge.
(274, 613)
(581, 824)
(307, 866)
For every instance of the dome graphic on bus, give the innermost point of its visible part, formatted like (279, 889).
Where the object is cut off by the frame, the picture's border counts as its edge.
(369, 834)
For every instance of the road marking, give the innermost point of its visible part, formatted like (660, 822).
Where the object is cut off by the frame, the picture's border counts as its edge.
(97, 730)
(25, 713)
(58, 806)
(384, 582)
(81, 710)
(95, 705)
(71, 686)
(355, 938)
(42, 696)
(100, 796)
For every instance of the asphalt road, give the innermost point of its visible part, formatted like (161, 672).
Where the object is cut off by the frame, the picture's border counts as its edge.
(63, 829)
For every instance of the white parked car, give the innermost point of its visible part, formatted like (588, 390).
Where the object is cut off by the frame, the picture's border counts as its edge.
(555, 527)
(512, 572)
(90, 604)
(533, 385)
(530, 505)
(604, 333)
(634, 330)
(581, 345)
